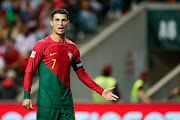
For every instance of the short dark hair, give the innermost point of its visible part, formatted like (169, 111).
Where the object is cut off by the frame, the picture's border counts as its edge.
(60, 11)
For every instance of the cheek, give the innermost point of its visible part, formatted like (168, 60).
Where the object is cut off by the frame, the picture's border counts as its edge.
(67, 25)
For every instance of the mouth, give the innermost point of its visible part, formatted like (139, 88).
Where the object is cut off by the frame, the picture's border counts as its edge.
(60, 28)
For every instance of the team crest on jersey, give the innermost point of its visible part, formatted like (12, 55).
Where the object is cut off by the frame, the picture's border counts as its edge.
(33, 54)
(70, 55)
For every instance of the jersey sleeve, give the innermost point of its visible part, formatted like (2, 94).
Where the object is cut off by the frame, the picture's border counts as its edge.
(33, 62)
(83, 76)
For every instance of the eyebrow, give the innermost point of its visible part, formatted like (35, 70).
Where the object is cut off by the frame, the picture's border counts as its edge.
(61, 19)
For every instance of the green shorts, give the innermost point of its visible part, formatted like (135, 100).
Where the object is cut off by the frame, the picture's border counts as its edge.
(47, 113)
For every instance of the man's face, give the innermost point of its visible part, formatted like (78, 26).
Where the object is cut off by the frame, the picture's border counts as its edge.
(59, 23)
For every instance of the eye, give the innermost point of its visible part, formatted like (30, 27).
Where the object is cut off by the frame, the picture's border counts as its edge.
(56, 19)
(65, 20)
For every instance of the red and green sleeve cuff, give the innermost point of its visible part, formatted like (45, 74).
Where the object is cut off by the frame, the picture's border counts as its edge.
(26, 95)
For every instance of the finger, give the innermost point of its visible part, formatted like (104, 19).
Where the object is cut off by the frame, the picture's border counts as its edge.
(115, 96)
(108, 99)
(112, 98)
(26, 107)
(31, 107)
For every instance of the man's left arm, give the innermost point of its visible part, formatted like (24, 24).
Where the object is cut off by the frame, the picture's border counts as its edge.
(88, 81)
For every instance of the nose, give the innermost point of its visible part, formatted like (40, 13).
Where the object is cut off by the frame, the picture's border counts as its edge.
(60, 22)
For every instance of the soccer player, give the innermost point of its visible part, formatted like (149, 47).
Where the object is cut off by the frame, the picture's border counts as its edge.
(54, 55)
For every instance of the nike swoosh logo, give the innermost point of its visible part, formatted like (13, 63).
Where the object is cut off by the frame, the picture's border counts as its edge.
(51, 54)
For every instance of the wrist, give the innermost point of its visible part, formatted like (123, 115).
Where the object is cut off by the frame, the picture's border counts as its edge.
(26, 95)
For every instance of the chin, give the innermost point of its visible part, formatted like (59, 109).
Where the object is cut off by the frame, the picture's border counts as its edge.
(60, 33)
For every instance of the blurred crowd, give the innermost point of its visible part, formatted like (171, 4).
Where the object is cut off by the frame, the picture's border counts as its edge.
(24, 22)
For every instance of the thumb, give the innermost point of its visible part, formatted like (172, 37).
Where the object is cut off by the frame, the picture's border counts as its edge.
(31, 105)
(112, 88)
(109, 89)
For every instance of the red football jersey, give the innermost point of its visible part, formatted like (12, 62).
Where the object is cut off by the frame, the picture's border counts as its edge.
(54, 60)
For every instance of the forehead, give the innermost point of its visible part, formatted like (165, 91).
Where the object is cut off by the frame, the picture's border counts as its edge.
(60, 16)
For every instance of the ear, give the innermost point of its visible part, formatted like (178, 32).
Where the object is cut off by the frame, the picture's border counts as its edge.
(68, 22)
(51, 22)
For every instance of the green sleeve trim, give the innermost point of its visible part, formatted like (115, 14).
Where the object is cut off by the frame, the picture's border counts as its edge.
(26, 95)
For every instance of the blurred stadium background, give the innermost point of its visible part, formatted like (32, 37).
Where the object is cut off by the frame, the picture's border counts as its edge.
(133, 35)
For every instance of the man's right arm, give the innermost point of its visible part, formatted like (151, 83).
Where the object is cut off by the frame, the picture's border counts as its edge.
(34, 60)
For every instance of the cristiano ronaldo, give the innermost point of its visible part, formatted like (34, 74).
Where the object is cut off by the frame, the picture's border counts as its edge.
(53, 56)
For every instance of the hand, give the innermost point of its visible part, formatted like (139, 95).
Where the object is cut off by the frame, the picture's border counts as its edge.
(108, 95)
(27, 103)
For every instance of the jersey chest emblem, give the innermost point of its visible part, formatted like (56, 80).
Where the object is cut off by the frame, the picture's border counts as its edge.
(70, 55)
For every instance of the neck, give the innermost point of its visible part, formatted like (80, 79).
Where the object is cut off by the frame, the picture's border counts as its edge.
(58, 38)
